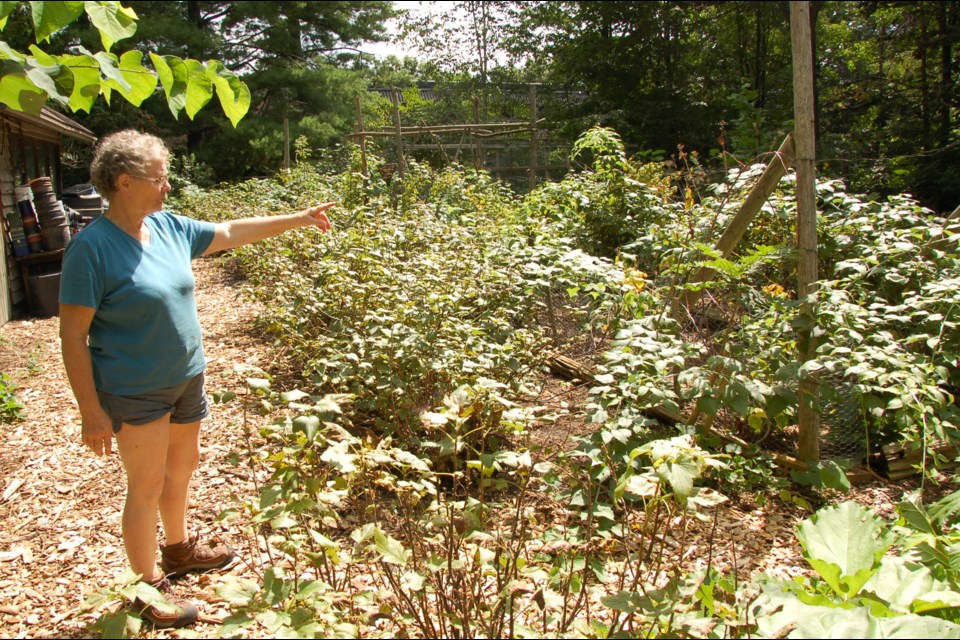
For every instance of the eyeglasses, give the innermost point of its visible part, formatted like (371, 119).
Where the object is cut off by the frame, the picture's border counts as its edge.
(157, 181)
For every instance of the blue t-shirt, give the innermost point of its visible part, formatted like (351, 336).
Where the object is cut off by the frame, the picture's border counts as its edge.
(145, 334)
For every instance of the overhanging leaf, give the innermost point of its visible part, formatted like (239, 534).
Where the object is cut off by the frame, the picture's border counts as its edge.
(174, 76)
(6, 8)
(55, 80)
(141, 81)
(86, 81)
(114, 21)
(17, 91)
(233, 93)
(50, 17)
(199, 87)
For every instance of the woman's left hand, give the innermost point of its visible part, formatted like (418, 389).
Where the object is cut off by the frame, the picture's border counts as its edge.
(318, 217)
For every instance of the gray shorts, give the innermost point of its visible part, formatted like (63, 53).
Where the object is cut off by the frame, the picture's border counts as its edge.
(186, 403)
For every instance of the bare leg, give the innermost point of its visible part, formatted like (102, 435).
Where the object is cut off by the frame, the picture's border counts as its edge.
(183, 455)
(143, 450)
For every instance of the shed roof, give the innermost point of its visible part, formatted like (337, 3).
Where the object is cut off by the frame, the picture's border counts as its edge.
(53, 121)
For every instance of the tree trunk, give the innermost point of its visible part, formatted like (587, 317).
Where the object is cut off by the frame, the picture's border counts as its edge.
(924, 81)
(946, 72)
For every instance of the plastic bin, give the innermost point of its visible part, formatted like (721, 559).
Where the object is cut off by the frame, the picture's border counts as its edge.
(45, 294)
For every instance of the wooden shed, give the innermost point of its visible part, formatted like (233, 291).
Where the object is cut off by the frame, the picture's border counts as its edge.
(30, 147)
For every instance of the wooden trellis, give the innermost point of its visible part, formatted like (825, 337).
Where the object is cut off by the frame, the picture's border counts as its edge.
(480, 133)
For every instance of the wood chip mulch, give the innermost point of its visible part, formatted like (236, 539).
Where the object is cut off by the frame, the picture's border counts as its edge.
(60, 506)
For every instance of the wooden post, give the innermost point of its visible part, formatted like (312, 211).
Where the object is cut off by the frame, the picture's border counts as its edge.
(805, 133)
(478, 141)
(286, 144)
(534, 151)
(401, 163)
(363, 139)
(776, 169)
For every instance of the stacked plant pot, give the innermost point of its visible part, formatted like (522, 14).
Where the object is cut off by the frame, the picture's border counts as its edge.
(54, 226)
(28, 222)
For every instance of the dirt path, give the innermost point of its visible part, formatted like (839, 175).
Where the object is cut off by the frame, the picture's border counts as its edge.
(60, 506)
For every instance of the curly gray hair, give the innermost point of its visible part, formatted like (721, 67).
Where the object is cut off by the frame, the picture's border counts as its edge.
(126, 151)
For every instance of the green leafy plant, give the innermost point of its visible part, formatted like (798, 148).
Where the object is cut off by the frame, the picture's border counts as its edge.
(11, 409)
(859, 586)
(122, 621)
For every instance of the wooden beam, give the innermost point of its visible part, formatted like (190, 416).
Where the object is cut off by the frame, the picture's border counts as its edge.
(769, 179)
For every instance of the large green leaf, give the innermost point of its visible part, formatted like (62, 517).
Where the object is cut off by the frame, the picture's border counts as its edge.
(53, 79)
(6, 8)
(114, 21)
(109, 68)
(391, 551)
(199, 87)
(86, 81)
(233, 94)
(899, 584)
(17, 91)
(808, 621)
(174, 77)
(843, 544)
(307, 425)
(50, 17)
(679, 474)
(140, 81)
(6, 53)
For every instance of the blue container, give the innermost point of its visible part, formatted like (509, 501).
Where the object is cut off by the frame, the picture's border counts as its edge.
(20, 247)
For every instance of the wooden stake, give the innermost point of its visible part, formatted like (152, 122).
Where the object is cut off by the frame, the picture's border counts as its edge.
(805, 132)
(363, 139)
(401, 163)
(776, 169)
(534, 150)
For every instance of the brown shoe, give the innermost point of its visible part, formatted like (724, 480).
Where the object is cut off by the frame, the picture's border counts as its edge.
(182, 558)
(172, 613)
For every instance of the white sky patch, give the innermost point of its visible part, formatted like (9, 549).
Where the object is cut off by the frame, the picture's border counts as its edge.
(393, 47)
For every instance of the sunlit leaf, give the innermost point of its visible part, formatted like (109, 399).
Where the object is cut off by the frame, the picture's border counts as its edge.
(391, 551)
(114, 21)
(199, 87)
(50, 17)
(174, 77)
(17, 91)
(233, 93)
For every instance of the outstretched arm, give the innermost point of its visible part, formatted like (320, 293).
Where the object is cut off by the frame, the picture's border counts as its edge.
(236, 233)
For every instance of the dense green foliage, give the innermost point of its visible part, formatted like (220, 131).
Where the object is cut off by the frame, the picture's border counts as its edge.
(409, 493)
(76, 80)
(676, 78)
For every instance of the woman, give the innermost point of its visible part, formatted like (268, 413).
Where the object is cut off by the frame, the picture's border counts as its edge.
(132, 350)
